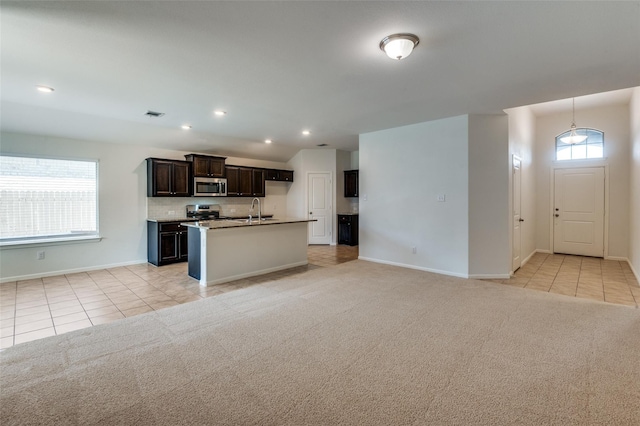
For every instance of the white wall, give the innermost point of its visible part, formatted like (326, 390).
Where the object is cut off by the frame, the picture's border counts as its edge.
(634, 198)
(303, 163)
(402, 170)
(522, 134)
(613, 120)
(489, 170)
(122, 206)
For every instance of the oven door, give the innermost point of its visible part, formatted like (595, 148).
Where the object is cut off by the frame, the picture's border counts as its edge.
(209, 187)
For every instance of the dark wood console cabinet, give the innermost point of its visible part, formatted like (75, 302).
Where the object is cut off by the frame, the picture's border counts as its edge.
(167, 242)
(348, 229)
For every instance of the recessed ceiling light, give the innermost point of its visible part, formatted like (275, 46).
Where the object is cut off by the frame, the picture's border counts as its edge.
(306, 132)
(220, 113)
(268, 141)
(45, 89)
(186, 127)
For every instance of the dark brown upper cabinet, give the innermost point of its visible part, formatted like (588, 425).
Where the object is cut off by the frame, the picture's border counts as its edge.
(239, 181)
(279, 175)
(207, 166)
(168, 178)
(350, 183)
(257, 183)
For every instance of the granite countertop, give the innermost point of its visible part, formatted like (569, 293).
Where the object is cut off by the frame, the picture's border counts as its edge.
(241, 223)
(173, 219)
(191, 219)
(347, 214)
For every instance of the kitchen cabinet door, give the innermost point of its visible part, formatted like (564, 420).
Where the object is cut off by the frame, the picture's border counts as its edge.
(348, 229)
(351, 183)
(233, 181)
(168, 178)
(245, 177)
(257, 186)
(207, 166)
(167, 242)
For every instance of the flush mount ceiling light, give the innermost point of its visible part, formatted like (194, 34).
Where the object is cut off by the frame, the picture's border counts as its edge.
(185, 127)
(399, 46)
(268, 141)
(220, 113)
(573, 138)
(44, 89)
(306, 132)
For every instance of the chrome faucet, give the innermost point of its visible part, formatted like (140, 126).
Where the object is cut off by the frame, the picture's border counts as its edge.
(259, 209)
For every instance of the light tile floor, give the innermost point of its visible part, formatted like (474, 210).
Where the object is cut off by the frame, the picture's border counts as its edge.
(584, 277)
(45, 307)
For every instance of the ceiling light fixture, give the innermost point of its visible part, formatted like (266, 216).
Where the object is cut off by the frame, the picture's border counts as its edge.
(268, 141)
(44, 89)
(306, 132)
(573, 138)
(185, 127)
(220, 113)
(399, 46)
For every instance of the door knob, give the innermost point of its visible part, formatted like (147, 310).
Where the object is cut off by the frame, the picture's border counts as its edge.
(557, 215)
(310, 212)
(520, 220)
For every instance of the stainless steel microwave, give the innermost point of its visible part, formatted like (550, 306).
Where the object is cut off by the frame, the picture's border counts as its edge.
(209, 187)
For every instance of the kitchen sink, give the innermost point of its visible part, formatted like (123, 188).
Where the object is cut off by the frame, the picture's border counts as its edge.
(254, 220)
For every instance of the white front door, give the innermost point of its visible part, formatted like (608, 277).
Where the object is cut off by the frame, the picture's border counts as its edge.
(517, 220)
(578, 211)
(320, 208)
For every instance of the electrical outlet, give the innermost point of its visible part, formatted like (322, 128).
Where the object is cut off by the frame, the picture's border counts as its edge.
(275, 207)
(364, 197)
(233, 210)
(171, 212)
(414, 250)
(40, 255)
(441, 198)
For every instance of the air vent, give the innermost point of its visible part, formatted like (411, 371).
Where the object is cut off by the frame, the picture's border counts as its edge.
(322, 144)
(154, 114)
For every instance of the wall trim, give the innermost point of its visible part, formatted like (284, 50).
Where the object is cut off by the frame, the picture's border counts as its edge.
(419, 268)
(490, 276)
(69, 271)
(634, 271)
(256, 273)
(618, 258)
(528, 258)
(544, 251)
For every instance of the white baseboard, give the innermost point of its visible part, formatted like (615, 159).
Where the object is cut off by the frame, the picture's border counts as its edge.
(528, 258)
(254, 273)
(490, 276)
(419, 268)
(544, 251)
(634, 271)
(69, 271)
(618, 258)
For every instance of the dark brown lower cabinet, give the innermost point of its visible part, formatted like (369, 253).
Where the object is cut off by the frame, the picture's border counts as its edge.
(167, 242)
(348, 229)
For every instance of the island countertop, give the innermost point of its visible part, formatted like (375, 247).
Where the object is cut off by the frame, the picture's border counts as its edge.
(242, 223)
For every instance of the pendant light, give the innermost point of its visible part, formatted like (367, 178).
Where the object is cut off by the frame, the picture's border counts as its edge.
(573, 138)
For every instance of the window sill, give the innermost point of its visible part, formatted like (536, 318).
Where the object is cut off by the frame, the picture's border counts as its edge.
(49, 242)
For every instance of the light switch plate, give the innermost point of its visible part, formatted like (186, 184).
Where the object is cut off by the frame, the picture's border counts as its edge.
(441, 198)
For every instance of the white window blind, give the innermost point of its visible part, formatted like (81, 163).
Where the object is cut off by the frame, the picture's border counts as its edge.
(44, 198)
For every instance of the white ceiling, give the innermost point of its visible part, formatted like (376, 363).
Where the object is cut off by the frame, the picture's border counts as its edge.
(280, 67)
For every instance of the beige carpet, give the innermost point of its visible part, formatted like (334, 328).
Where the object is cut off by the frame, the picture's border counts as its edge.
(360, 343)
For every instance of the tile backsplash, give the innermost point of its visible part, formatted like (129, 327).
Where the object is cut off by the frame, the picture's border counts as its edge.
(168, 207)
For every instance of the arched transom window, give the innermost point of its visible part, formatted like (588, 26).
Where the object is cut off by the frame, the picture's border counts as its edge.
(591, 147)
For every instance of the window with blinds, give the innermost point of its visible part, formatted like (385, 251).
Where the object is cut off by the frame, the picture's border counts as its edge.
(45, 198)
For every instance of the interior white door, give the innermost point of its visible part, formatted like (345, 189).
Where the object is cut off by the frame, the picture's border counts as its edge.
(578, 211)
(320, 208)
(517, 219)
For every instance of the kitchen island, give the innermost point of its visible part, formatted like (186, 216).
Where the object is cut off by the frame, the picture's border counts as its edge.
(232, 249)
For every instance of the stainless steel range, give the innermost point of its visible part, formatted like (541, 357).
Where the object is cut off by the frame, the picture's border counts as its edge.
(203, 211)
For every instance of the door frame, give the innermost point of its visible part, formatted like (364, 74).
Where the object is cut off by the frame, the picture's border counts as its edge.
(331, 200)
(515, 157)
(579, 164)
